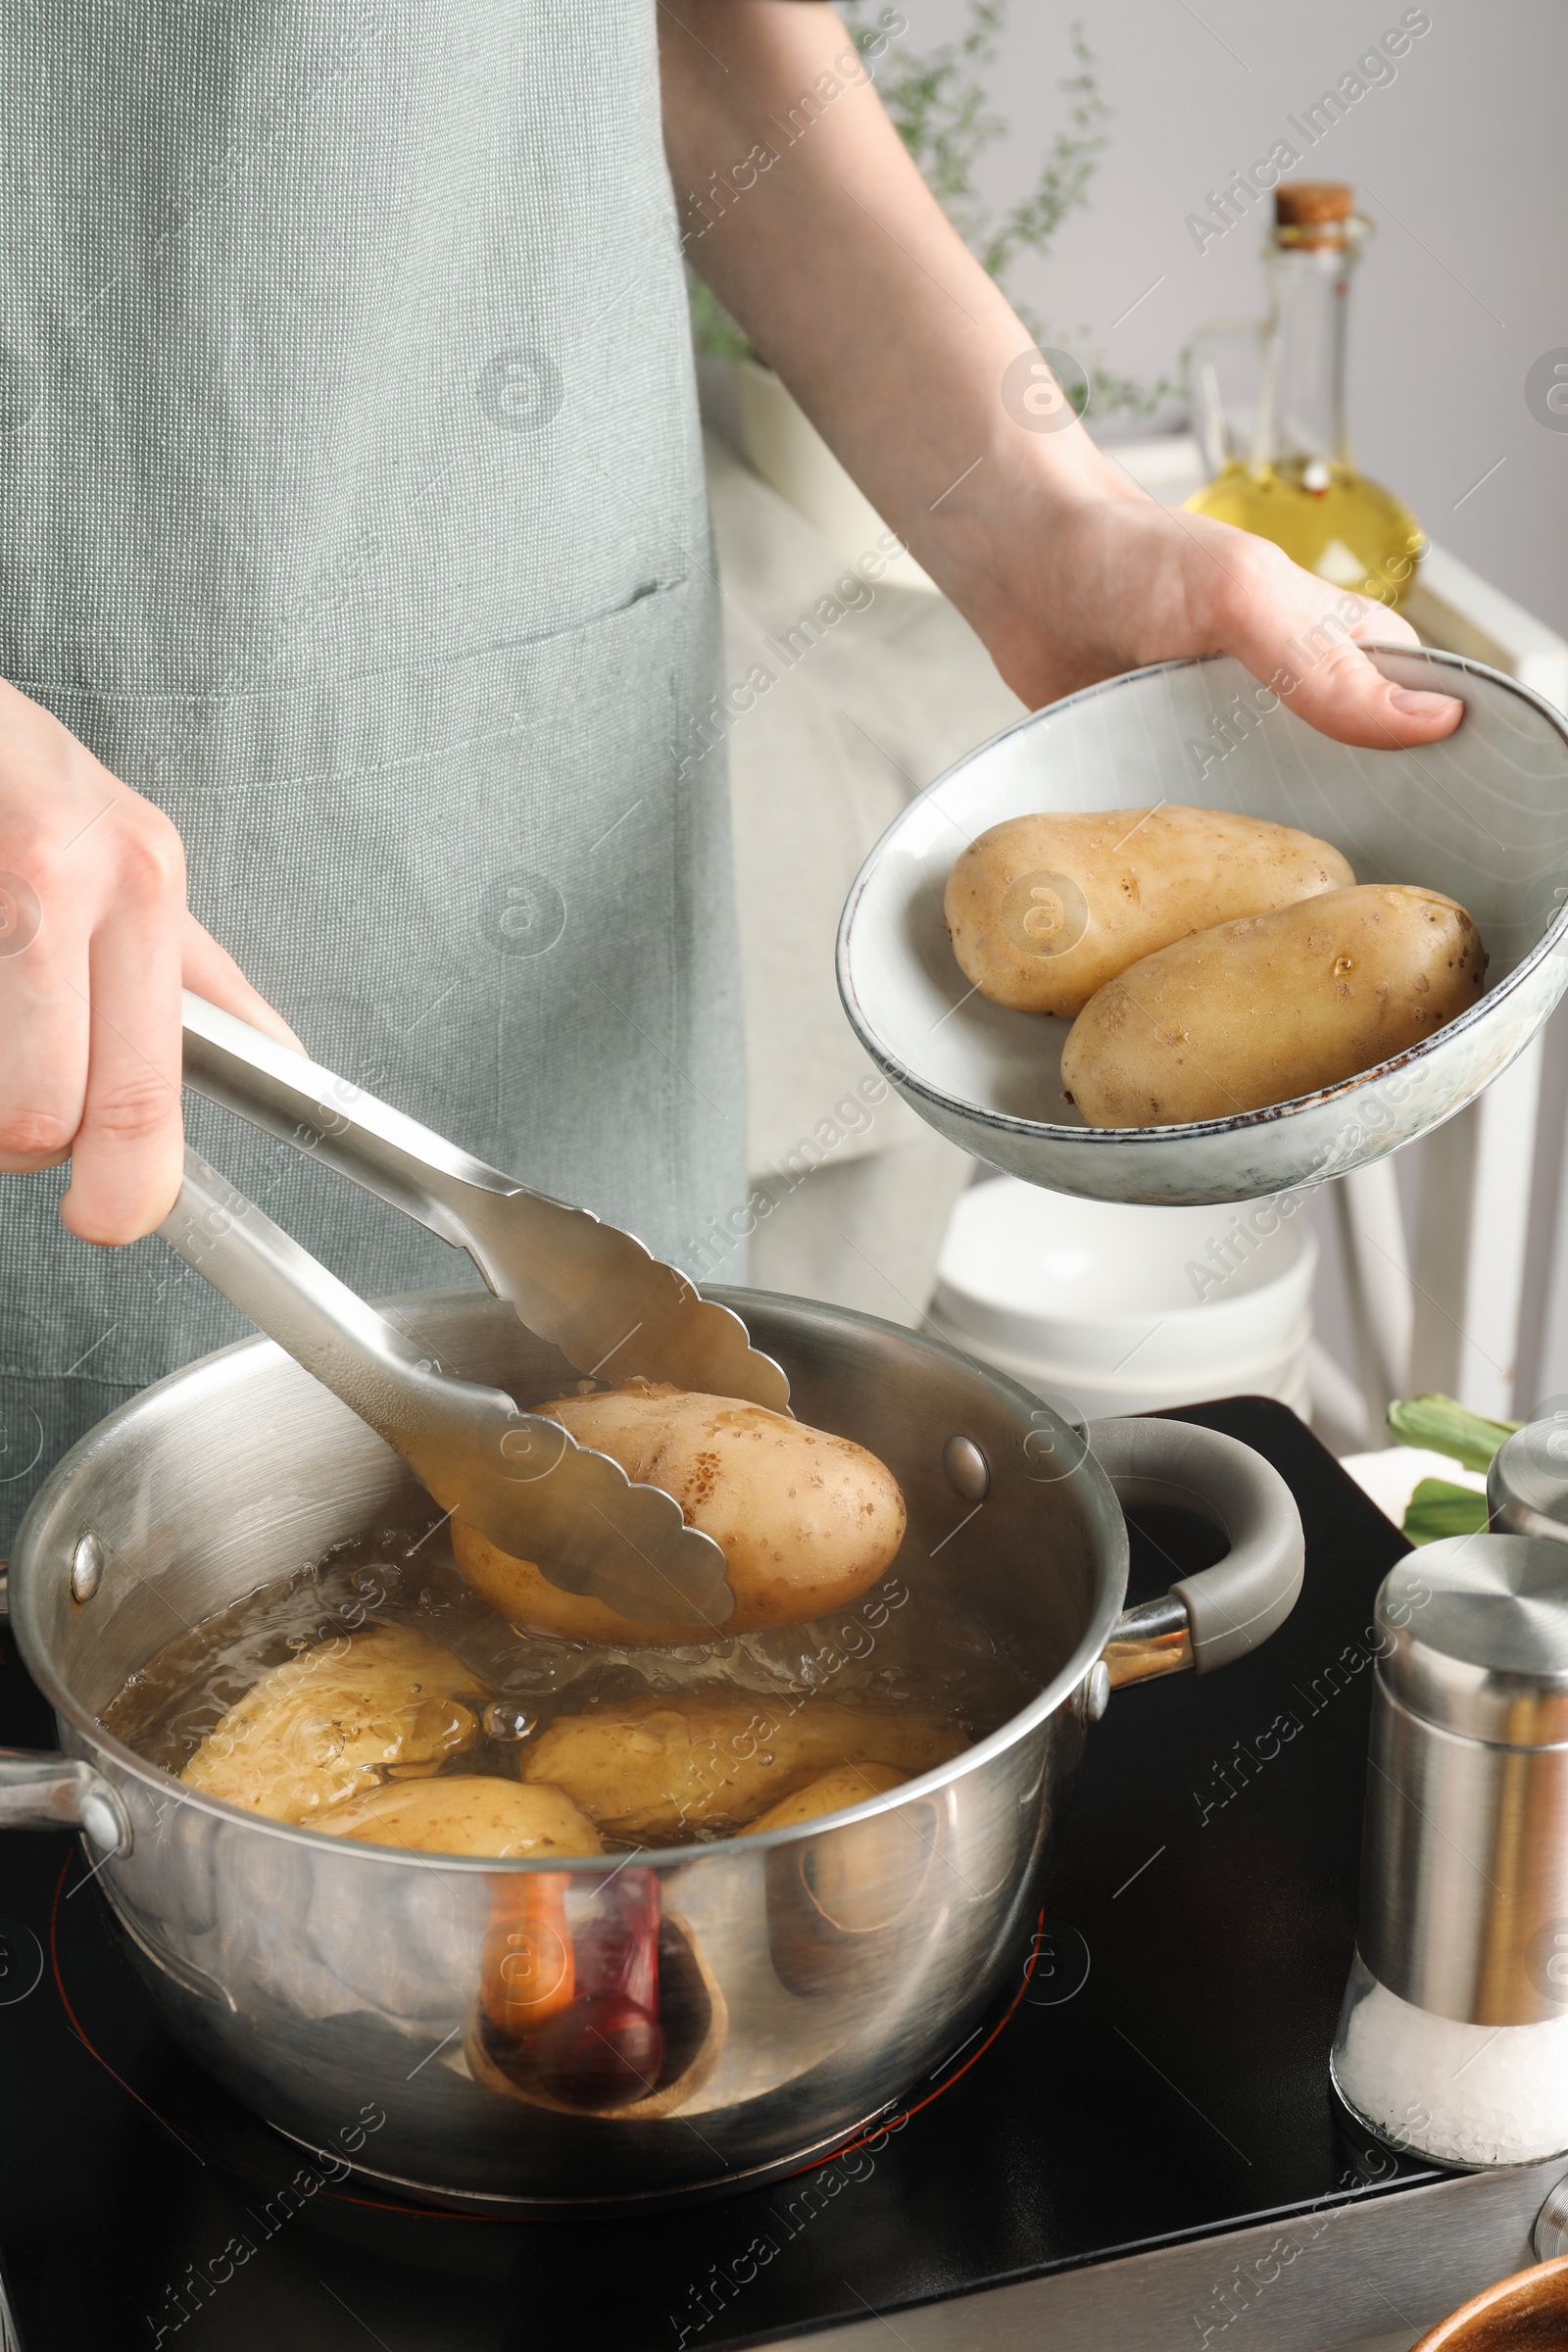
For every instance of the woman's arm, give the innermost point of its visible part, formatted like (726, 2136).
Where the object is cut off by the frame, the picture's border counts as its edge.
(803, 209)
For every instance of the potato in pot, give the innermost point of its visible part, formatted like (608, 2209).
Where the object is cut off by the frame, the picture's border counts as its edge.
(327, 1725)
(845, 1786)
(465, 1813)
(654, 1767)
(806, 1520)
(1044, 909)
(1258, 1011)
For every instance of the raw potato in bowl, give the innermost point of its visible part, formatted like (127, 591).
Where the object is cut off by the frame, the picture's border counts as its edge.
(1259, 1011)
(806, 1520)
(1042, 911)
(653, 1767)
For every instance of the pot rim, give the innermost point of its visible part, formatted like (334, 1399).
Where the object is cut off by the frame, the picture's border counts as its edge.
(237, 1357)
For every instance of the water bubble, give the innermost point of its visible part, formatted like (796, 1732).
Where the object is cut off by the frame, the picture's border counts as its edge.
(505, 1720)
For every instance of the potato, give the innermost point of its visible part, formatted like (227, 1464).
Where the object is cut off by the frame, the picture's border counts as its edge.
(325, 1726)
(807, 1521)
(470, 1813)
(653, 1766)
(834, 1793)
(856, 1879)
(1272, 1007)
(1042, 911)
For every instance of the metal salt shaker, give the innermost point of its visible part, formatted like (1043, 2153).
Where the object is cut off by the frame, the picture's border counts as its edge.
(1464, 1863)
(1526, 1486)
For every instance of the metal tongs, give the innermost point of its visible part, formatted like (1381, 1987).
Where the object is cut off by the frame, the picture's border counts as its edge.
(592, 1291)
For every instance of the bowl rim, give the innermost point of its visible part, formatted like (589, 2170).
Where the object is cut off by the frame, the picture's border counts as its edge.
(100, 1743)
(1553, 941)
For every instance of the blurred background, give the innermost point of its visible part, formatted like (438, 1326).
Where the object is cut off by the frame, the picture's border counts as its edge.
(1457, 162)
(1090, 156)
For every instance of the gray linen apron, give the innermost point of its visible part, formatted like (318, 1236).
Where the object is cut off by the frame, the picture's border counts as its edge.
(351, 509)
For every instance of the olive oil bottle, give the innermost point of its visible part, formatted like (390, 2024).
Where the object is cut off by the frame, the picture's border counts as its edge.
(1284, 471)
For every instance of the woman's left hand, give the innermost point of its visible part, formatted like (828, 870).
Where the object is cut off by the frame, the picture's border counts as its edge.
(1107, 581)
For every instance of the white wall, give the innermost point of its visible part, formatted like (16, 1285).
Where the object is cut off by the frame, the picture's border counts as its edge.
(1460, 162)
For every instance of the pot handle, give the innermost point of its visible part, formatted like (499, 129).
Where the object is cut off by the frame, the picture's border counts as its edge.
(43, 1791)
(1208, 1619)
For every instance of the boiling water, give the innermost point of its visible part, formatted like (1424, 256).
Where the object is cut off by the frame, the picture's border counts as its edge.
(888, 1648)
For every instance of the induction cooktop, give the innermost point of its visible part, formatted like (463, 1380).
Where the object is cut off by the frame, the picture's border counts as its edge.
(1139, 2145)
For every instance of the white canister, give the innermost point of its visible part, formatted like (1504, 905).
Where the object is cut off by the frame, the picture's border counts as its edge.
(1124, 1309)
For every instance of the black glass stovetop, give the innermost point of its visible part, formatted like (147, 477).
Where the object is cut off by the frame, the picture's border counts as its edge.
(1156, 2071)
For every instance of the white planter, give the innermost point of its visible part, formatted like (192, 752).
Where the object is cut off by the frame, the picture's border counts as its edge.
(789, 453)
(1098, 1301)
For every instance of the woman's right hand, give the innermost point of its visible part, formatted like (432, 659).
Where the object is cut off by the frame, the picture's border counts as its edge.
(96, 942)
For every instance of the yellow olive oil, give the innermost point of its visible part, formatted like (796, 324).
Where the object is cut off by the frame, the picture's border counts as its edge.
(1282, 459)
(1327, 517)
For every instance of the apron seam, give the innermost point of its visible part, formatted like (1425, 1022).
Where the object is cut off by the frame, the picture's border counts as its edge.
(338, 682)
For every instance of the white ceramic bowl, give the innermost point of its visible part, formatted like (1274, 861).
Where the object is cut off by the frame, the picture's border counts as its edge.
(1483, 816)
(1124, 1309)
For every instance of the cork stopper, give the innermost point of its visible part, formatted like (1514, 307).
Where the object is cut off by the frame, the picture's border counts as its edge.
(1308, 203)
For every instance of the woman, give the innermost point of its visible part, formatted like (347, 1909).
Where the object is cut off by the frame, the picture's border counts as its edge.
(356, 584)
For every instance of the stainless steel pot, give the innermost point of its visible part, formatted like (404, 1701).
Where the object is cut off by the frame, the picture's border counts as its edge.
(386, 2001)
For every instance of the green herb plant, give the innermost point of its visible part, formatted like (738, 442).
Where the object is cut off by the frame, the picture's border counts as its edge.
(938, 104)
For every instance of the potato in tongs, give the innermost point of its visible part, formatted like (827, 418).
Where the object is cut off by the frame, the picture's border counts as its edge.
(594, 1502)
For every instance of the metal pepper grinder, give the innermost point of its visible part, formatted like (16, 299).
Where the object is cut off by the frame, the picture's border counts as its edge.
(1527, 1485)
(1453, 2037)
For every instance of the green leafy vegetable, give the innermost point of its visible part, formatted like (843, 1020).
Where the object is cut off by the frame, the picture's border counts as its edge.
(1442, 1426)
(1438, 1509)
